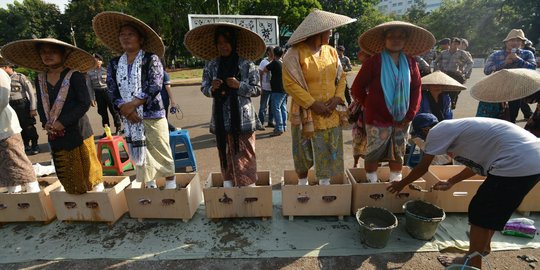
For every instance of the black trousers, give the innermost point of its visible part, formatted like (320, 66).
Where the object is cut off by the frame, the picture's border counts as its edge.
(104, 105)
(27, 122)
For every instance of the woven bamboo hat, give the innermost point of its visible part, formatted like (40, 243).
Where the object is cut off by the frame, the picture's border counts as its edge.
(515, 33)
(107, 27)
(507, 85)
(4, 63)
(200, 41)
(439, 78)
(25, 53)
(317, 22)
(419, 40)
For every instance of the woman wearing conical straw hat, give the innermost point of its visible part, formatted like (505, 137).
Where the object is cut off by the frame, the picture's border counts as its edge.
(134, 82)
(231, 79)
(438, 103)
(314, 78)
(388, 86)
(63, 101)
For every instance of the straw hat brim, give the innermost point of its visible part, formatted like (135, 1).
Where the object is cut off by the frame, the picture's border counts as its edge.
(25, 53)
(317, 22)
(507, 85)
(107, 27)
(200, 42)
(439, 78)
(418, 41)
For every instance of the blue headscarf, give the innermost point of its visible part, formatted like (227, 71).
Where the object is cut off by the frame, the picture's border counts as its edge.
(396, 84)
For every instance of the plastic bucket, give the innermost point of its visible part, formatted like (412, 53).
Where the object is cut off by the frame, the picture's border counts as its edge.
(460, 267)
(376, 225)
(422, 219)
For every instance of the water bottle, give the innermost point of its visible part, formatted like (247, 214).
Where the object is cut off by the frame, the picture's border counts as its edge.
(108, 133)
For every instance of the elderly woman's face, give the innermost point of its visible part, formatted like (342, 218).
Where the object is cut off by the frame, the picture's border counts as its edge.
(326, 37)
(130, 39)
(395, 39)
(51, 55)
(223, 46)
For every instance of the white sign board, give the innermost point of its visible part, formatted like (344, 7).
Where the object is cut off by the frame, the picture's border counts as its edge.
(265, 26)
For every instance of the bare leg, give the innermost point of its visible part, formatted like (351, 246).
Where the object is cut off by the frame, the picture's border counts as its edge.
(480, 239)
(395, 166)
(371, 166)
(356, 158)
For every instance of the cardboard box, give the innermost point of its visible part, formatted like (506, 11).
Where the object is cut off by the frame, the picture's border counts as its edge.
(531, 202)
(21, 207)
(106, 206)
(235, 202)
(375, 194)
(456, 199)
(315, 200)
(180, 203)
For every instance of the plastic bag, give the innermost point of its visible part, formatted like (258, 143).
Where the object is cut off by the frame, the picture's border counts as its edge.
(521, 227)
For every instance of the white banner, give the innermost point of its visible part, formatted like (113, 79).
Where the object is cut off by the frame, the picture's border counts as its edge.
(265, 26)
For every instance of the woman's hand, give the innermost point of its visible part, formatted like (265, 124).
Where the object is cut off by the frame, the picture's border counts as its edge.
(233, 83)
(127, 108)
(318, 107)
(216, 84)
(57, 126)
(443, 185)
(396, 187)
(134, 118)
(333, 102)
(402, 124)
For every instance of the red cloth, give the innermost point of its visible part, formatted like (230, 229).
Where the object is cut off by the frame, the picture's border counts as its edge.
(367, 89)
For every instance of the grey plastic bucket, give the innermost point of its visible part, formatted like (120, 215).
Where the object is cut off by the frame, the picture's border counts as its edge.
(422, 219)
(376, 225)
(460, 267)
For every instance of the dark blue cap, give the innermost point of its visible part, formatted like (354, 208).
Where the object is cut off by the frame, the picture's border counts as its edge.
(423, 120)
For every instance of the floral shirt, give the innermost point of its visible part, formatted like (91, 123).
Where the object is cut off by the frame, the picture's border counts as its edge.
(152, 83)
(249, 87)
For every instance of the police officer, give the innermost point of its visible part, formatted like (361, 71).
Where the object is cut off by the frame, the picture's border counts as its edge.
(98, 77)
(22, 99)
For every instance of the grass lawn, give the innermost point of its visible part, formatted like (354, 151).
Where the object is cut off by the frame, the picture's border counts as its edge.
(186, 74)
(197, 73)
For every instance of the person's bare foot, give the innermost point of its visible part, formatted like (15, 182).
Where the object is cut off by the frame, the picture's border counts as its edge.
(447, 260)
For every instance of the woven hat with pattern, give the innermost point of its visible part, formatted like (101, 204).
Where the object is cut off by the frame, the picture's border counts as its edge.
(3, 62)
(25, 53)
(507, 85)
(419, 40)
(439, 78)
(317, 22)
(107, 27)
(515, 33)
(200, 41)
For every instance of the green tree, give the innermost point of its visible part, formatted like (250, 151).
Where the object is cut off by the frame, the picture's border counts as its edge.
(23, 20)
(416, 13)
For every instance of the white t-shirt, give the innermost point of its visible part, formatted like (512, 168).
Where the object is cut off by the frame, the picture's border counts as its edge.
(265, 80)
(487, 145)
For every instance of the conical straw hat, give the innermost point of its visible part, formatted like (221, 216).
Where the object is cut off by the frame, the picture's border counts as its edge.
(25, 53)
(3, 62)
(316, 22)
(419, 40)
(200, 41)
(107, 27)
(439, 78)
(507, 85)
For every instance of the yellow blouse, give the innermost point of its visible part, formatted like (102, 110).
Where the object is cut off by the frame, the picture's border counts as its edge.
(320, 74)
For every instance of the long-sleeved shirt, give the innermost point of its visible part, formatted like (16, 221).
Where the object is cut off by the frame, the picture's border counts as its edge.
(152, 82)
(9, 124)
(367, 89)
(73, 115)
(320, 74)
(458, 61)
(495, 61)
(22, 88)
(444, 105)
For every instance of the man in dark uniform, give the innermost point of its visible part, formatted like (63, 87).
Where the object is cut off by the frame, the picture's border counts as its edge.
(22, 99)
(98, 77)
